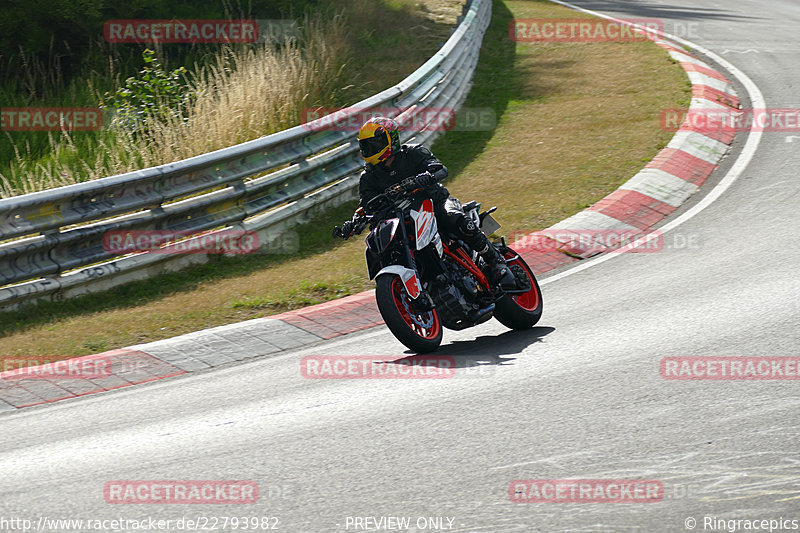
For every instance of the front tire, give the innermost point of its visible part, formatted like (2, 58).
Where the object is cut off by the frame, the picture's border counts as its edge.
(520, 311)
(420, 332)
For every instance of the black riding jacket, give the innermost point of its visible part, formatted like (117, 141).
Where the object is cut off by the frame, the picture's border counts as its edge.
(409, 161)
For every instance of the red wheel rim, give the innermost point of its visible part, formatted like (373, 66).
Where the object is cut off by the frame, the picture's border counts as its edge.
(402, 302)
(527, 300)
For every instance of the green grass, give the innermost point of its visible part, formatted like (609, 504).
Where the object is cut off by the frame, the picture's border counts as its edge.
(496, 86)
(307, 293)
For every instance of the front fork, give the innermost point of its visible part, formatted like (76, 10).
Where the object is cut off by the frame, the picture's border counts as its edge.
(423, 299)
(412, 262)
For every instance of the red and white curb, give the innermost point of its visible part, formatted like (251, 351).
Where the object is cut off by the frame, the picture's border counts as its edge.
(676, 173)
(665, 183)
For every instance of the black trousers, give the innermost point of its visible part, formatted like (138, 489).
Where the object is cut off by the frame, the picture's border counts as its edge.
(451, 218)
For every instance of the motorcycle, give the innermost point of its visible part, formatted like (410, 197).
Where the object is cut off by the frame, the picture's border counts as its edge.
(425, 281)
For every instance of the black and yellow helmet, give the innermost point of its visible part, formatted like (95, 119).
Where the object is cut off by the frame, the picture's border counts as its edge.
(379, 139)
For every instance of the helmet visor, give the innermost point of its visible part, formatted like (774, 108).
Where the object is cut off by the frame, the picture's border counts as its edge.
(373, 145)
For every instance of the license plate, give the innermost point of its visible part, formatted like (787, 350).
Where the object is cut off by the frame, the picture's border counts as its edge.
(489, 225)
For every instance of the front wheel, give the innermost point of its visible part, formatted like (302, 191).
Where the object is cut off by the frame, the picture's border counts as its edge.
(520, 311)
(421, 332)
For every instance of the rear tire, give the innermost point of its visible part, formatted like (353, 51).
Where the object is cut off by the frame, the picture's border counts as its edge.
(520, 311)
(421, 333)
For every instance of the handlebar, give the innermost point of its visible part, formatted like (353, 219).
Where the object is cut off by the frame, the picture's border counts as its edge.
(395, 191)
(386, 199)
(382, 200)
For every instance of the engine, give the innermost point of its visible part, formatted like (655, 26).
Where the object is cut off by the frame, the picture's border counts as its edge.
(455, 294)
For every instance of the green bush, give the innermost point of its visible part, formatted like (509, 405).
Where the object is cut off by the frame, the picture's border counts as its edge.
(154, 94)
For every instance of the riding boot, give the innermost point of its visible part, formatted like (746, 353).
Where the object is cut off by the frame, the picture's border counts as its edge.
(500, 273)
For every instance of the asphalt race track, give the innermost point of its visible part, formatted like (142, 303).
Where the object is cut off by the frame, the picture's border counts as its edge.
(580, 396)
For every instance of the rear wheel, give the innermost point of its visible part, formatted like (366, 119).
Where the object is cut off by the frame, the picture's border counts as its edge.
(520, 311)
(421, 332)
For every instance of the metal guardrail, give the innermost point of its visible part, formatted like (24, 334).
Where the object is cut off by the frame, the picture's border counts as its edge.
(51, 242)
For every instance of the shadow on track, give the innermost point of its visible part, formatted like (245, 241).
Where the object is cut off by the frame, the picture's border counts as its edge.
(482, 351)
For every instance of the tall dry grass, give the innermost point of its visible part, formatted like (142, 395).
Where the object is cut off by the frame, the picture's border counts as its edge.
(242, 95)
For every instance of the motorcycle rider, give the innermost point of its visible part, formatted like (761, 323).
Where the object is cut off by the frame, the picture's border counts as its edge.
(387, 163)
